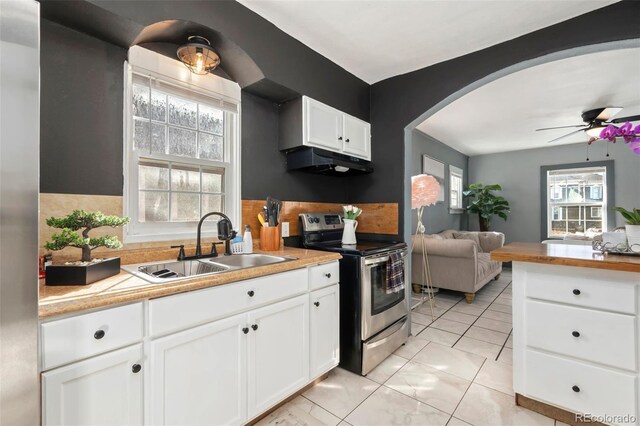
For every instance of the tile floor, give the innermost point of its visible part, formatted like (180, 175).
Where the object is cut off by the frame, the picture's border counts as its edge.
(453, 371)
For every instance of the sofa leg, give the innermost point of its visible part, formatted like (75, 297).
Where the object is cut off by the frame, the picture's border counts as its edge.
(497, 277)
(470, 297)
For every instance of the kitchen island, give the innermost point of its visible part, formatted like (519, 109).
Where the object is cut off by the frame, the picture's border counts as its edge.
(575, 332)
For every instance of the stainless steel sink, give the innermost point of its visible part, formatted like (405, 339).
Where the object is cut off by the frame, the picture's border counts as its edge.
(174, 270)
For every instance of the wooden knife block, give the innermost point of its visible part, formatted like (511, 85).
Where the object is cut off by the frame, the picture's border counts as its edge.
(270, 238)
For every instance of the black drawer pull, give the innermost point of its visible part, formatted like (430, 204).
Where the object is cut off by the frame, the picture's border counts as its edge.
(328, 275)
(136, 368)
(575, 388)
(576, 291)
(254, 327)
(250, 293)
(575, 334)
(99, 334)
(245, 330)
(316, 303)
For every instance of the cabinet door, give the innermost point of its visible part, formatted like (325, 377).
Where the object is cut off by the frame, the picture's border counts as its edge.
(278, 352)
(198, 376)
(322, 125)
(103, 390)
(357, 137)
(324, 320)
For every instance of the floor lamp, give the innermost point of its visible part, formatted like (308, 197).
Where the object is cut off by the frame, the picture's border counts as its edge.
(425, 190)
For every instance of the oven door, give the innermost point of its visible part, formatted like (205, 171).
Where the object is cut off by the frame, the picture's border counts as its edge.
(379, 309)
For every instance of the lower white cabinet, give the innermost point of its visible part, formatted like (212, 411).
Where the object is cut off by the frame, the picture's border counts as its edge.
(200, 374)
(103, 390)
(324, 327)
(278, 352)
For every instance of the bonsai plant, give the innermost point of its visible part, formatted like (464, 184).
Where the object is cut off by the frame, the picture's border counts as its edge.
(486, 204)
(87, 270)
(632, 227)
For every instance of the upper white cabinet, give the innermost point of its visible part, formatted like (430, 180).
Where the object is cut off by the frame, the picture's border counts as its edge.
(103, 390)
(307, 122)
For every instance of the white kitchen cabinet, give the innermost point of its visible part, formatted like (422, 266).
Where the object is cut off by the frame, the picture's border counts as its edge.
(103, 390)
(357, 139)
(307, 122)
(278, 360)
(199, 374)
(324, 330)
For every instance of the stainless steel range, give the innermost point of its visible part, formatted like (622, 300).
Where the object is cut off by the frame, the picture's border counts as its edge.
(374, 322)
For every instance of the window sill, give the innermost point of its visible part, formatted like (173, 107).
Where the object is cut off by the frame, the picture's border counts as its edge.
(166, 237)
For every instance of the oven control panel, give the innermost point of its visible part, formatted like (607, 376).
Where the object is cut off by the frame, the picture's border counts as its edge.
(312, 222)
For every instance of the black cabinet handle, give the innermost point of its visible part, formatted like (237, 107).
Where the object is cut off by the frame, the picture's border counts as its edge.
(346, 140)
(316, 303)
(245, 330)
(576, 291)
(339, 138)
(250, 293)
(575, 334)
(254, 327)
(99, 334)
(328, 275)
(575, 388)
(136, 368)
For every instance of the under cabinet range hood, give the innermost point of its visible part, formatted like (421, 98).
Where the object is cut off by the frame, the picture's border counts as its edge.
(315, 160)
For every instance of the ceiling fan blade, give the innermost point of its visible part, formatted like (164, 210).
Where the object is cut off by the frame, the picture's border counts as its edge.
(625, 119)
(608, 113)
(568, 134)
(562, 127)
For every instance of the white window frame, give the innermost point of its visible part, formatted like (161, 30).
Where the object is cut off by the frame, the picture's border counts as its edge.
(457, 173)
(148, 63)
(556, 192)
(597, 209)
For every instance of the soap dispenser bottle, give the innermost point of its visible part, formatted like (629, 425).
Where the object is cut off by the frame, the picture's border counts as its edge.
(247, 240)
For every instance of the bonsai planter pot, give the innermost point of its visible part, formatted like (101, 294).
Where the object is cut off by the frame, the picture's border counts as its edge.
(82, 275)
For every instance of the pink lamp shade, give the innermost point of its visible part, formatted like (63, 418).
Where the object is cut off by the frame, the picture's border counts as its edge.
(424, 191)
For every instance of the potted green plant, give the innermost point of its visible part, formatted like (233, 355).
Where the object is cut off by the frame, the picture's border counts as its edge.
(632, 227)
(486, 204)
(88, 269)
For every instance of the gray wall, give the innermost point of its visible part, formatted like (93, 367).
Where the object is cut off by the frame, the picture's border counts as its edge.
(519, 174)
(437, 217)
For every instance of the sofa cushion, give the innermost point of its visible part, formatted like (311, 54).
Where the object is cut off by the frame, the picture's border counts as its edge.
(473, 236)
(486, 267)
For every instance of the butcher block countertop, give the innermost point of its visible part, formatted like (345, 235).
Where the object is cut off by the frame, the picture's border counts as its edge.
(566, 255)
(124, 287)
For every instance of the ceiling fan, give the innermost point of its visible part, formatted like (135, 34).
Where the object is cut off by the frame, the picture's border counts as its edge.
(594, 121)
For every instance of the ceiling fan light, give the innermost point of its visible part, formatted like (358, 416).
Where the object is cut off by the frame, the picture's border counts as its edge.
(198, 56)
(595, 131)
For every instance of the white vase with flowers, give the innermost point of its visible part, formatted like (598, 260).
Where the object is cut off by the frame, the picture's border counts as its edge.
(350, 214)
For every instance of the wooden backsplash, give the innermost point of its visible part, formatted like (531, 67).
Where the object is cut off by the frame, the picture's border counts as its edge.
(376, 218)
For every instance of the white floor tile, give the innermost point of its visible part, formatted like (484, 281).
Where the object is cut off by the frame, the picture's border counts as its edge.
(509, 343)
(450, 326)
(411, 347)
(506, 356)
(440, 336)
(440, 390)
(498, 316)
(483, 406)
(500, 308)
(460, 317)
(300, 412)
(386, 368)
(478, 347)
(341, 392)
(497, 376)
(490, 324)
(457, 422)
(420, 318)
(486, 335)
(389, 407)
(450, 360)
(466, 308)
(417, 328)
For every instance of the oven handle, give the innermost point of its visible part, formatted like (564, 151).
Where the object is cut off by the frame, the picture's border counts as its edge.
(388, 333)
(384, 259)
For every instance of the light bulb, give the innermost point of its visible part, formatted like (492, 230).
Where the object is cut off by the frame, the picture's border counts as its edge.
(199, 62)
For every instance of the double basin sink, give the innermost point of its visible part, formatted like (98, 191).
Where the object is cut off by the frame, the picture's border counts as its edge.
(174, 270)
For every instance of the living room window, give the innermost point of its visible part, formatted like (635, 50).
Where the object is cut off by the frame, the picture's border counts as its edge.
(181, 148)
(576, 201)
(455, 189)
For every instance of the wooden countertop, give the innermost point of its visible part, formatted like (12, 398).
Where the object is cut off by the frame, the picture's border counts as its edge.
(124, 287)
(567, 255)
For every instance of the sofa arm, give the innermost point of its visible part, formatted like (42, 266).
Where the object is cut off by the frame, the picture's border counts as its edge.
(447, 247)
(490, 241)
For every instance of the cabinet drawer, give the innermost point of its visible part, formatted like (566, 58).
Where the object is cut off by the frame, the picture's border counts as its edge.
(70, 339)
(324, 275)
(602, 337)
(588, 287)
(176, 312)
(597, 391)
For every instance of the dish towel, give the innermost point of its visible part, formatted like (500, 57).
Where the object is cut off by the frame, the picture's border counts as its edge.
(395, 273)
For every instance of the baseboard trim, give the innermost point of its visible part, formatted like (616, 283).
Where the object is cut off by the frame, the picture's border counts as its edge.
(290, 398)
(556, 413)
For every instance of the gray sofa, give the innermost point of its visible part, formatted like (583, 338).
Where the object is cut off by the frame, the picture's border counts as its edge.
(459, 264)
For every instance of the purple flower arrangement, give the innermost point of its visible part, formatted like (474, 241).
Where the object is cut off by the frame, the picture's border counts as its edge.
(630, 135)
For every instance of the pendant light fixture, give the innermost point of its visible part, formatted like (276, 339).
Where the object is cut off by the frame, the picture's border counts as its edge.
(198, 56)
